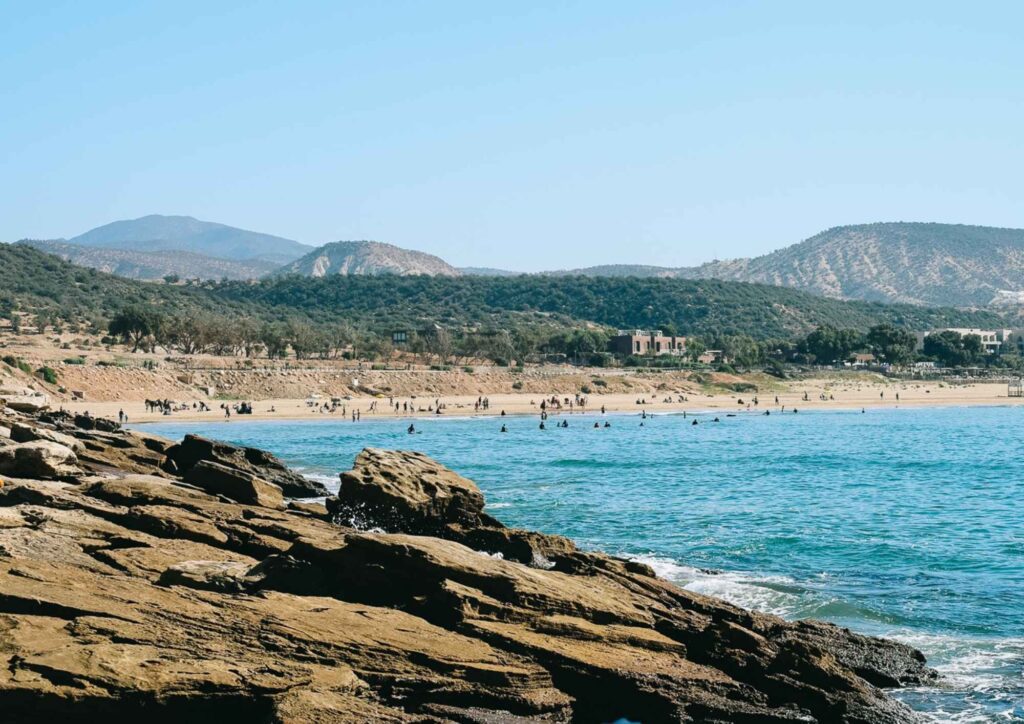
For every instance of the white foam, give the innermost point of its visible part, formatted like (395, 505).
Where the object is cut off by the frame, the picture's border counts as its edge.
(748, 591)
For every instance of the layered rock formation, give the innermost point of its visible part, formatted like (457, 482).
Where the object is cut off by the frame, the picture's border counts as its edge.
(128, 591)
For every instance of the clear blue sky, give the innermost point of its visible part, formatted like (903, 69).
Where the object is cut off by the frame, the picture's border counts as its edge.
(520, 135)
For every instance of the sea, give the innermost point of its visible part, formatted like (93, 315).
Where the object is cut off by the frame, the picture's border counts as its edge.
(903, 523)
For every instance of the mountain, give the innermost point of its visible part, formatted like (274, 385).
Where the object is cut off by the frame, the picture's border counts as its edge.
(152, 265)
(367, 258)
(32, 281)
(486, 271)
(915, 263)
(183, 233)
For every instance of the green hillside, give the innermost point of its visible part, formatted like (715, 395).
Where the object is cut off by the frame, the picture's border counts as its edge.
(31, 281)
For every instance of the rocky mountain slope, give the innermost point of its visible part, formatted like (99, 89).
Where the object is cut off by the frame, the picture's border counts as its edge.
(367, 258)
(917, 263)
(184, 233)
(142, 578)
(153, 265)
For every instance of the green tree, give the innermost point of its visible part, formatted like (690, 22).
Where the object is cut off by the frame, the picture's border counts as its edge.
(135, 325)
(891, 344)
(828, 345)
(952, 349)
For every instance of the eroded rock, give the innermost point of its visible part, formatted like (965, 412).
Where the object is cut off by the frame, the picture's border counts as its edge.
(128, 596)
(194, 449)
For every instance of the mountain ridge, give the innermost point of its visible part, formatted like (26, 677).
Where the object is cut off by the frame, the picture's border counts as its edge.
(152, 265)
(366, 258)
(157, 232)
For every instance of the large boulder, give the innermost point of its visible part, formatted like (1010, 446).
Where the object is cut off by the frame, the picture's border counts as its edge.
(405, 492)
(195, 449)
(238, 485)
(39, 459)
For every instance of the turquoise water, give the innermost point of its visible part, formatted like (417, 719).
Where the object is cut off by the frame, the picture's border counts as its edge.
(902, 523)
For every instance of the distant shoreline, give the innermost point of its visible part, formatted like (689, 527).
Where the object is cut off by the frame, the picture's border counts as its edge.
(865, 396)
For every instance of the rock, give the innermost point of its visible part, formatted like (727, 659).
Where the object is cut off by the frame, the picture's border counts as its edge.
(233, 483)
(21, 432)
(31, 403)
(226, 576)
(404, 492)
(142, 596)
(317, 510)
(39, 459)
(194, 449)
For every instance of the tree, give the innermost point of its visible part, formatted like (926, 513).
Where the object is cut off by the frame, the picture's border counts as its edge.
(695, 347)
(952, 349)
(135, 325)
(829, 345)
(891, 344)
(439, 343)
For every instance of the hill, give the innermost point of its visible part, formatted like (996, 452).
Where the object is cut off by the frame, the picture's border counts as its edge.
(183, 233)
(915, 263)
(702, 307)
(153, 265)
(31, 281)
(367, 257)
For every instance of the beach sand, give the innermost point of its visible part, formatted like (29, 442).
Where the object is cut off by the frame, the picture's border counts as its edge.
(851, 395)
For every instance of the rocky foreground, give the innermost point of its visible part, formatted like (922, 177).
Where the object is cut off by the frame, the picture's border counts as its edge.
(143, 578)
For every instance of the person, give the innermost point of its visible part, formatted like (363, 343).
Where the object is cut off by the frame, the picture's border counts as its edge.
(607, 424)
(120, 416)
(412, 429)
(541, 424)
(717, 420)
(694, 422)
(565, 423)
(502, 413)
(504, 429)
(596, 425)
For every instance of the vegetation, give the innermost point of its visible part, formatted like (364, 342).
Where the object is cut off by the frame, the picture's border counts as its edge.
(452, 320)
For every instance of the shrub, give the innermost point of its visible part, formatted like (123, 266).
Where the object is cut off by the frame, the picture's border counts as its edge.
(585, 389)
(74, 360)
(598, 382)
(47, 374)
(517, 385)
(468, 370)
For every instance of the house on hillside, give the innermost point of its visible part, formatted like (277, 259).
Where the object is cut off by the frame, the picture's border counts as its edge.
(643, 342)
(991, 339)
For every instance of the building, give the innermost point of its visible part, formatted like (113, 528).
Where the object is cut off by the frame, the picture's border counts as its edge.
(644, 342)
(991, 339)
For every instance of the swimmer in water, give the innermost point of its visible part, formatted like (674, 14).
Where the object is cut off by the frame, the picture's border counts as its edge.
(504, 429)
(694, 422)
(607, 424)
(411, 430)
(541, 424)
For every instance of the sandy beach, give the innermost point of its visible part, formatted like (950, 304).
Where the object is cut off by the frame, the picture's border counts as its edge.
(819, 395)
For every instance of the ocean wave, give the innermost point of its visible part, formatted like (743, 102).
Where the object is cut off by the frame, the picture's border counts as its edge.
(779, 595)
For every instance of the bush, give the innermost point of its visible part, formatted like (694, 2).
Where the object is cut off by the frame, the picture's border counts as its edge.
(598, 382)
(726, 368)
(18, 363)
(74, 360)
(47, 374)
(742, 387)
(517, 385)
(440, 368)
(468, 370)
(585, 389)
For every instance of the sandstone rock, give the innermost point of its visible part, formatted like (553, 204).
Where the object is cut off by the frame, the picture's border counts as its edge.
(144, 597)
(39, 459)
(233, 483)
(404, 492)
(21, 432)
(26, 402)
(194, 449)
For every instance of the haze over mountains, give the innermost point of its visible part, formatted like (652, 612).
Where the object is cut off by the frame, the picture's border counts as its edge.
(917, 263)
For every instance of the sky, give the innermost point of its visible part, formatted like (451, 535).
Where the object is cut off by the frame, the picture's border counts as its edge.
(522, 135)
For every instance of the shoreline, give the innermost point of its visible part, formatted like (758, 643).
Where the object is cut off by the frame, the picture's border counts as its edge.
(528, 405)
